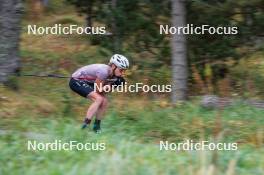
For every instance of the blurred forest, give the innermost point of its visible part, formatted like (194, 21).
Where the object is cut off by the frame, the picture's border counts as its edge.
(225, 65)
(226, 68)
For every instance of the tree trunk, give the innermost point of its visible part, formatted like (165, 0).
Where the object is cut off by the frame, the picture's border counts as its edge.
(179, 59)
(10, 16)
(116, 36)
(89, 14)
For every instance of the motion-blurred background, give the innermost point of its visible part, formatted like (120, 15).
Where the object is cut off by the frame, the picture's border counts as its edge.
(217, 86)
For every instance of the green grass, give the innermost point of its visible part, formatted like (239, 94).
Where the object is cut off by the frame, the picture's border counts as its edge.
(131, 138)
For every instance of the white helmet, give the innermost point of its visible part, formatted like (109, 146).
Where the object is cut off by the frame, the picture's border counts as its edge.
(120, 61)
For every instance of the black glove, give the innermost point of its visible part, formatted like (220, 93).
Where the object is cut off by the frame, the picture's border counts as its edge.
(119, 81)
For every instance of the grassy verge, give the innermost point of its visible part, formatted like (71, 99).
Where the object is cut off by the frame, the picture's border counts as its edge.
(132, 143)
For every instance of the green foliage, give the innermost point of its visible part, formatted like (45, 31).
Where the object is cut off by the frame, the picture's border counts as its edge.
(137, 29)
(248, 76)
(222, 13)
(57, 7)
(136, 26)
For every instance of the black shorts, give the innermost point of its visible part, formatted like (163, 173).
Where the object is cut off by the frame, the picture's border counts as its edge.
(81, 87)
